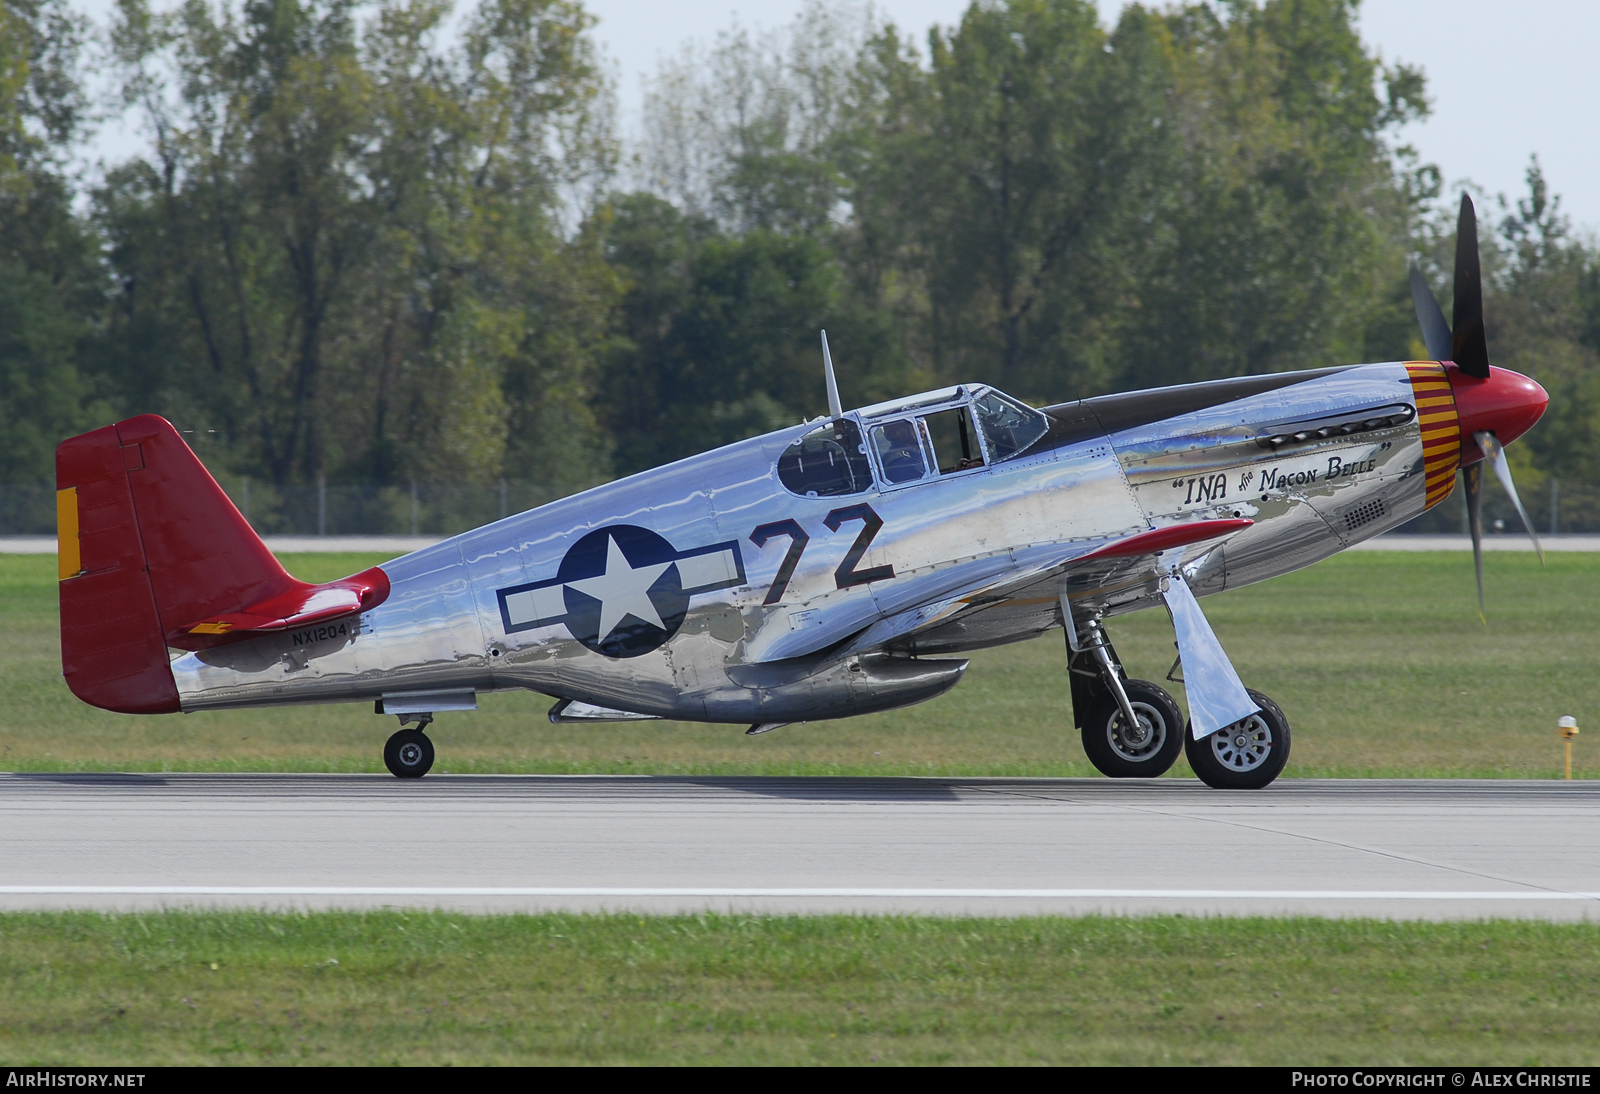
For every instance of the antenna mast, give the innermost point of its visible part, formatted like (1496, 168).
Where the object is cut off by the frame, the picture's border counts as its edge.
(834, 409)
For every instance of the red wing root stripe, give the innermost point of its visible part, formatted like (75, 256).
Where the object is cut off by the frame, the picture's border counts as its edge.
(1441, 428)
(1162, 539)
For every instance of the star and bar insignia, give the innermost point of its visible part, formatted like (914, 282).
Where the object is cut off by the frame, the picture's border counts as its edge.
(623, 590)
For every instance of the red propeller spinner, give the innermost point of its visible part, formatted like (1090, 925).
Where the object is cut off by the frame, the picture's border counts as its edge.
(1506, 404)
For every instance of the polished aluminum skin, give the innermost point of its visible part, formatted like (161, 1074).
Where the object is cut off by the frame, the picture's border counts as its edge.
(706, 590)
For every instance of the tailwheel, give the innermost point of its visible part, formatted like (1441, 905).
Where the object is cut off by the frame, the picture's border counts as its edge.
(1142, 751)
(1246, 755)
(408, 754)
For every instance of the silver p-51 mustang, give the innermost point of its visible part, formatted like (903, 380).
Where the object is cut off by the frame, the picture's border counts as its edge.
(834, 568)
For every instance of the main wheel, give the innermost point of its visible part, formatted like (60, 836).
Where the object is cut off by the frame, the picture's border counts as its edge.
(1120, 751)
(408, 754)
(1246, 755)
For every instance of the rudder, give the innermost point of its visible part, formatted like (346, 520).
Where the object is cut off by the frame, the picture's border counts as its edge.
(112, 651)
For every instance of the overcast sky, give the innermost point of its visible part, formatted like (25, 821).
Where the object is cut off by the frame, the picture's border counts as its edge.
(1508, 78)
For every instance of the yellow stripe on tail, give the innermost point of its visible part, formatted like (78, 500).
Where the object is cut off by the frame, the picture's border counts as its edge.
(69, 557)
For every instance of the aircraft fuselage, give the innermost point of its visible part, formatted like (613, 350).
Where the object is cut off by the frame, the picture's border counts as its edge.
(711, 590)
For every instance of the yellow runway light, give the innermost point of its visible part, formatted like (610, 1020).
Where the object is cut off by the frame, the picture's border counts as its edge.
(1567, 726)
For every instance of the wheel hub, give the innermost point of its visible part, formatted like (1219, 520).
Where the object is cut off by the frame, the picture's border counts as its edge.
(411, 754)
(1140, 741)
(1243, 746)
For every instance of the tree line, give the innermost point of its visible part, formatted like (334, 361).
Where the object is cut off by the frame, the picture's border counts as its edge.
(392, 241)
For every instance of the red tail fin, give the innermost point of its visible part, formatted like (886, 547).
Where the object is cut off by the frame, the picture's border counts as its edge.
(154, 554)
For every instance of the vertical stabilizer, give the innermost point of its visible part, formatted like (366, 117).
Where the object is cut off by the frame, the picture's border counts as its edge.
(148, 542)
(203, 556)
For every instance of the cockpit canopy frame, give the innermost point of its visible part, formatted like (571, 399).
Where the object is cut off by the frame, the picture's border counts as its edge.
(903, 442)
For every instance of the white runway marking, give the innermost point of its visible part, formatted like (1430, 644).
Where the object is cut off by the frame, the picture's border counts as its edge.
(980, 894)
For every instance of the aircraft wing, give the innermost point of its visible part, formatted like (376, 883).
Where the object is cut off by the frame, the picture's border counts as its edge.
(945, 594)
(1041, 563)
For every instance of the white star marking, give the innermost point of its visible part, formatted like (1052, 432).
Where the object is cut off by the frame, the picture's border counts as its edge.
(622, 590)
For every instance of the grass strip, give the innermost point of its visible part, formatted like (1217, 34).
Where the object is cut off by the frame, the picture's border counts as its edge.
(434, 988)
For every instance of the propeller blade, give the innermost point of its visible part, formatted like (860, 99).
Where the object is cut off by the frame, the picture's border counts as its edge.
(1430, 317)
(1468, 347)
(1472, 479)
(1497, 456)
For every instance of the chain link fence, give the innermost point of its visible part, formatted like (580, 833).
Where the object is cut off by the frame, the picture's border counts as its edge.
(332, 509)
(320, 509)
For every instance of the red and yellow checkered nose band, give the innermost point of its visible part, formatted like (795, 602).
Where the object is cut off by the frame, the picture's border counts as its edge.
(1441, 431)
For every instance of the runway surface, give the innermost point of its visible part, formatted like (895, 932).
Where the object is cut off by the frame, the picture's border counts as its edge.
(1402, 849)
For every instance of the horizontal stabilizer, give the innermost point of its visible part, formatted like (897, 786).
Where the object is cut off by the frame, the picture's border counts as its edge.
(299, 607)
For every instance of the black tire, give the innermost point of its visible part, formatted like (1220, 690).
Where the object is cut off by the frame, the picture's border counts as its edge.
(1120, 755)
(1246, 755)
(408, 754)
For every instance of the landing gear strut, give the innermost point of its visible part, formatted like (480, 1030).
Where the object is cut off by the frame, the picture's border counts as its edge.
(1130, 727)
(409, 753)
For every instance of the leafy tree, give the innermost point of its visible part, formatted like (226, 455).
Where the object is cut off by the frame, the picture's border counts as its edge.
(1284, 232)
(364, 247)
(1540, 315)
(745, 133)
(716, 335)
(998, 181)
(1200, 192)
(346, 250)
(51, 283)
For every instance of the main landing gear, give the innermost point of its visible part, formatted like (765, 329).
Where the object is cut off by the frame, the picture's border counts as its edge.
(1133, 729)
(409, 753)
(1143, 748)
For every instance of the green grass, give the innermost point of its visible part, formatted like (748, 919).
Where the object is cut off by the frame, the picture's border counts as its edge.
(1378, 659)
(242, 987)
